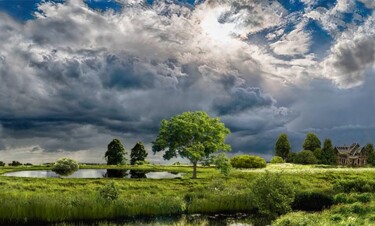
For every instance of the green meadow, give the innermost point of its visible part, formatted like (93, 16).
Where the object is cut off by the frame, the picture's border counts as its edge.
(27, 200)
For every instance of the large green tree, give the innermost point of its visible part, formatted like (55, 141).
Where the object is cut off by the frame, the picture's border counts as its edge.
(371, 154)
(191, 135)
(138, 153)
(115, 153)
(328, 156)
(282, 146)
(311, 142)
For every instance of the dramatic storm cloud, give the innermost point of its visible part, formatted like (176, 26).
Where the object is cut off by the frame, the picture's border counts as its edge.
(75, 74)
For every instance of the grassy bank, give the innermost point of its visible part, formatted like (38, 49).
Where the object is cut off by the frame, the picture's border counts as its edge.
(55, 199)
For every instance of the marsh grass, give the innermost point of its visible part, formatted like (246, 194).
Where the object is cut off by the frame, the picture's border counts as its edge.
(63, 199)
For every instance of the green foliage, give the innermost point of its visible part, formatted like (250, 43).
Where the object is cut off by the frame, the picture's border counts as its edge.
(65, 166)
(318, 155)
(222, 163)
(282, 146)
(2, 163)
(305, 157)
(328, 155)
(115, 154)
(208, 161)
(311, 142)
(138, 154)
(371, 154)
(15, 163)
(109, 192)
(273, 195)
(355, 185)
(312, 201)
(348, 198)
(248, 161)
(291, 157)
(277, 159)
(192, 135)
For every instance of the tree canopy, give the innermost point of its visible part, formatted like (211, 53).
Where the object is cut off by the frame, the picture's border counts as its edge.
(311, 142)
(371, 154)
(115, 153)
(191, 135)
(328, 156)
(65, 166)
(305, 157)
(138, 154)
(282, 146)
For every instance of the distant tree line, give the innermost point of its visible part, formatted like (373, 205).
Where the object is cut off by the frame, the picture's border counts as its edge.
(15, 163)
(313, 152)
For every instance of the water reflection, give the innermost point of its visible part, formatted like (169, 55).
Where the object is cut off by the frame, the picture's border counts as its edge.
(195, 219)
(138, 174)
(116, 173)
(96, 173)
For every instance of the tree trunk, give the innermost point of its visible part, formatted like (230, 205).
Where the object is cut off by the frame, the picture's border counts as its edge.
(194, 170)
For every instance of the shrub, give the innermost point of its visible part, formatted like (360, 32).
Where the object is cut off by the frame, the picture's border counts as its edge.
(223, 164)
(247, 161)
(277, 159)
(2, 163)
(65, 166)
(312, 201)
(355, 185)
(109, 192)
(305, 157)
(272, 195)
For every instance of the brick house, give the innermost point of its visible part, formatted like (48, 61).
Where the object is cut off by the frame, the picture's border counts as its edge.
(353, 155)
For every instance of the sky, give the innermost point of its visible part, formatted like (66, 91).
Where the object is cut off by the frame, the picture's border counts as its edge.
(75, 74)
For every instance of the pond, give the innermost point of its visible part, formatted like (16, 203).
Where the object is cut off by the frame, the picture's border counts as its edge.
(96, 173)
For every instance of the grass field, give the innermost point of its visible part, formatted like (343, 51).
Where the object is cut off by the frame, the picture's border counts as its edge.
(63, 199)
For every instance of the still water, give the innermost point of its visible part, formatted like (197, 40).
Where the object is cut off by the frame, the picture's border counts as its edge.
(184, 220)
(96, 173)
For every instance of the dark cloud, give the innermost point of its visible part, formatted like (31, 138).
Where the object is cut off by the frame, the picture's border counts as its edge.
(72, 83)
(242, 99)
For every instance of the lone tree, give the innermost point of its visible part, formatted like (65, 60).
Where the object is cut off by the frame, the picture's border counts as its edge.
(192, 135)
(312, 142)
(65, 166)
(282, 146)
(115, 153)
(328, 156)
(138, 154)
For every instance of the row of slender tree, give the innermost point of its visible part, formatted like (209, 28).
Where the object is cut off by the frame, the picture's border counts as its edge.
(313, 152)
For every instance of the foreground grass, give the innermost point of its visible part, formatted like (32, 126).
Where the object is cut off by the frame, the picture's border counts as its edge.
(63, 199)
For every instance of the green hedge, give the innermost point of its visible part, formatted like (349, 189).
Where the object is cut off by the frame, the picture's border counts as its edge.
(247, 161)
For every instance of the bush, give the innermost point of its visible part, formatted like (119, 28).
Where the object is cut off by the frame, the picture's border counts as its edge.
(312, 201)
(65, 166)
(247, 161)
(272, 195)
(305, 157)
(355, 185)
(109, 192)
(2, 163)
(343, 198)
(223, 164)
(277, 159)
(15, 163)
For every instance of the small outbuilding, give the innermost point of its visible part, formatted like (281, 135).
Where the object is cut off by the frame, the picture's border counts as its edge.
(353, 155)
